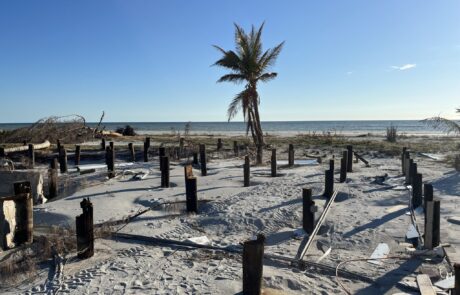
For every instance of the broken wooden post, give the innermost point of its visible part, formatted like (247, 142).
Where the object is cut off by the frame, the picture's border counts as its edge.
(110, 157)
(63, 160)
(343, 166)
(412, 171)
(195, 158)
(417, 190)
(58, 145)
(132, 154)
(219, 144)
(235, 148)
(181, 146)
(253, 255)
(85, 230)
(291, 155)
(146, 149)
(350, 158)
(432, 224)
(308, 220)
(273, 163)
(31, 154)
(204, 170)
(161, 153)
(77, 155)
(406, 163)
(53, 180)
(403, 158)
(165, 171)
(191, 194)
(427, 195)
(331, 165)
(409, 167)
(103, 144)
(24, 213)
(457, 279)
(328, 184)
(246, 170)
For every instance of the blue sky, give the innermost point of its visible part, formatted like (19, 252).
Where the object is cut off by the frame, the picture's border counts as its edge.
(150, 60)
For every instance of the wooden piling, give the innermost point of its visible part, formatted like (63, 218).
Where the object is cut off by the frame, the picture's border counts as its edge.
(77, 155)
(417, 190)
(253, 254)
(161, 153)
(110, 156)
(308, 220)
(103, 144)
(350, 158)
(204, 170)
(273, 163)
(165, 171)
(409, 167)
(246, 170)
(220, 145)
(427, 194)
(412, 171)
(146, 149)
(24, 213)
(54, 163)
(58, 145)
(403, 158)
(235, 148)
(63, 160)
(343, 166)
(331, 165)
(31, 154)
(85, 230)
(195, 158)
(328, 183)
(456, 290)
(291, 155)
(191, 194)
(436, 223)
(52, 182)
(432, 224)
(132, 154)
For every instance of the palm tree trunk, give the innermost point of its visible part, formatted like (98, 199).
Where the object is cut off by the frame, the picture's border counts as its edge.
(259, 133)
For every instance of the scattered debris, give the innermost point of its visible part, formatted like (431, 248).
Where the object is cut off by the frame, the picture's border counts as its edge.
(381, 251)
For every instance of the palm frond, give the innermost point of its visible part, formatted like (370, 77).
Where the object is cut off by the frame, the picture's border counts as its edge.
(237, 78)
(229, 59)
(269, 57)
(240, 101)
(267, 76)
(443, 124)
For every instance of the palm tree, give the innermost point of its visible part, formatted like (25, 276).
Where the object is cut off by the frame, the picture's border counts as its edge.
(444, 124)
(248, 64)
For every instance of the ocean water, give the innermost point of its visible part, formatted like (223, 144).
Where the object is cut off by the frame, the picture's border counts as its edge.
(409, 127)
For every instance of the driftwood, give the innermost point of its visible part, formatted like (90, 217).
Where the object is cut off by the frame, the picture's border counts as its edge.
(362, 159)
(46, 144)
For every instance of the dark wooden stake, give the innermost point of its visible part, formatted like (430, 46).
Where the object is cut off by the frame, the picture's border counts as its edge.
(291, 155)
(350, 158)
(58, 145)
(85, 230)
(308, 220)
(343, 166)
(403, 159)
(412, 172)
(161, 153)
(253, 255)
(204, 170)
(328, 183)
(191, 194)
(52, 183)
(273, 163)
(432, 224)
(146, 149)
(410, 165)
(331, 165)
(417, 190)
(457, 279)
(195, 158)
(427, 194)
(63, 160)
(24, 213)
(132, 154)
(220, 145)
(77, 155)
(235, 148)
(103, 144)
(165, 171)
(110, 156)
(246, 170)
(31, 154)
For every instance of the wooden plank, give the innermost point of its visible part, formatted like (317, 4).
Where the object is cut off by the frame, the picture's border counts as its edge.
(362, 159)
(425, 286)
(44, 145)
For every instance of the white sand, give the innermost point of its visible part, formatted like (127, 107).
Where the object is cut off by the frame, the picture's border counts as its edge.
(362, 217)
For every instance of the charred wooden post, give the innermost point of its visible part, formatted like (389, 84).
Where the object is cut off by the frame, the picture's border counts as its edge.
(54, 163)
(417, 190)
(403, 159)
(253, 255)
(85, 230)
(204, 170)
(132, 154)
(24, 142)
(412, 172)
(350, 158)
(409, 171)
(291, 155)
(103, 144)
(181, 147)
(112, 145)
(77, 155)
(427, 194)
(53, 180)
(24, 213)
(432, 224)
(165, 171)
(220, 145)
(328, 184)
(110, 156)
(436, 223)
(331, 165)
(235, 148)
(343, 166)
(31, 154)
(273, 163)
(146, 149)
(457, 279)
(58, 145)
(246, 170)
(63, 160)
(161, 153)
(195, 158)
(308, 220)
(191, 194)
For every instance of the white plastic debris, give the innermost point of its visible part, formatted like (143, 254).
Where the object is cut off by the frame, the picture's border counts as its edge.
(381, 251)
(412, 232)
(203, 240)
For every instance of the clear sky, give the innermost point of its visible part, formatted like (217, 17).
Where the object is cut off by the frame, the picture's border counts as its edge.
(151, 60)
